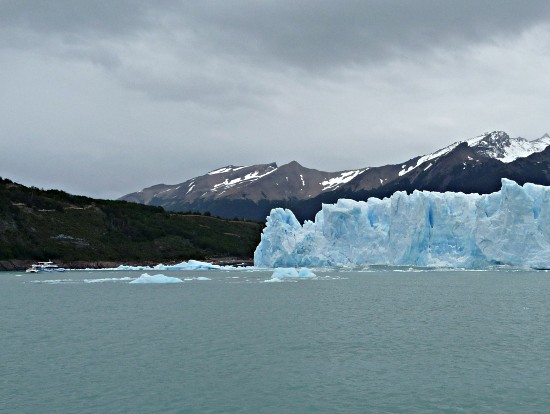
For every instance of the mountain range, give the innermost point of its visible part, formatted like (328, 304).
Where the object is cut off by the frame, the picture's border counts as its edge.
(473, 165)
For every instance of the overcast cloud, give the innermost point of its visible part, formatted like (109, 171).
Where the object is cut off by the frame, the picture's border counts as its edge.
(103, 98)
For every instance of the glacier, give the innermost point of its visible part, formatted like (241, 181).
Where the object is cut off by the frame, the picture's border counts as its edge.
(508, 227)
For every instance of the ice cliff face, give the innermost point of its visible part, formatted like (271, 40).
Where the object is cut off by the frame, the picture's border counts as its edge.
(511, 226)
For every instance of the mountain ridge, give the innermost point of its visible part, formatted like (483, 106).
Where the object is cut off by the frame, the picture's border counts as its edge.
(470, 165)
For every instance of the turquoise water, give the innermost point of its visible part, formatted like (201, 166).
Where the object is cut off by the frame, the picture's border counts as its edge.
(383, 341)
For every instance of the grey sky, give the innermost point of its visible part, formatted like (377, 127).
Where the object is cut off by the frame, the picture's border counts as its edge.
(105, 97)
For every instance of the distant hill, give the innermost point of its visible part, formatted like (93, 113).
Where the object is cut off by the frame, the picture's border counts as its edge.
(472, 165)
(42, 225)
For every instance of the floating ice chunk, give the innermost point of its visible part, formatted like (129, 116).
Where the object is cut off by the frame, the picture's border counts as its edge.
(146, 278)
(291, 272)
(282, 272)
(305, 272)
(200, 278)
(191, 265)
(273, 280)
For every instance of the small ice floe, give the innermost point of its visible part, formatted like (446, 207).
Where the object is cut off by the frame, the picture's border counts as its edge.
(53, 281)
(273, 280)
(200, 278)
(108, 279)
(160, 278)
(305, 272)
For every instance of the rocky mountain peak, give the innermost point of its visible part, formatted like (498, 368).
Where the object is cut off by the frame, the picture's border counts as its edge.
(500, 146)
(293, 164)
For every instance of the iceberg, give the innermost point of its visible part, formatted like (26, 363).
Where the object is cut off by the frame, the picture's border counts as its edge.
(290, 272)
(281, 273)
(305, 273)
(191, 265)
(509, 227)
(284, 272)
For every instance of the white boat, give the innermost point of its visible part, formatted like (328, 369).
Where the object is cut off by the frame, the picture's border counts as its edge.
(44, 267)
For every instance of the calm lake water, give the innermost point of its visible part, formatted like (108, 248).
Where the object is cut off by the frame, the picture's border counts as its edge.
(380, 341)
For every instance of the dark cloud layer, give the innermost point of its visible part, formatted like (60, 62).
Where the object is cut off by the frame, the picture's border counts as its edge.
(77, 18)
(310, 35)
(328, 33)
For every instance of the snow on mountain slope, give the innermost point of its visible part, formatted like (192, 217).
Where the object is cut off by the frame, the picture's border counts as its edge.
(428, 157)
(497, 145)
(229, 183)
(345, 177)
(226, 170)
(500, 146)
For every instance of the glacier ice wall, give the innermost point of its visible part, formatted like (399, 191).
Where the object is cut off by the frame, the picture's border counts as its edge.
(511, 226)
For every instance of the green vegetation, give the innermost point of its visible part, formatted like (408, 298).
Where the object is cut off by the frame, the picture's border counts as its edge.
(41, 225)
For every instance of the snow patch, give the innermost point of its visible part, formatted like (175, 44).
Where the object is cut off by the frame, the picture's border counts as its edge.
(423, 159)
(256, 175)
(164, 191)
(226, 169)
(343, 178)
(497, 145)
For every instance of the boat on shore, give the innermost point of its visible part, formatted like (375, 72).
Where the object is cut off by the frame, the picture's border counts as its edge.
(44, 267)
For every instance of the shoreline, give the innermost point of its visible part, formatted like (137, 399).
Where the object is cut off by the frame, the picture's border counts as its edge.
(16, 265)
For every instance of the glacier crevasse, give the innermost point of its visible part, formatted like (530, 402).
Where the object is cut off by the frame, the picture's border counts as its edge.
(511, 227)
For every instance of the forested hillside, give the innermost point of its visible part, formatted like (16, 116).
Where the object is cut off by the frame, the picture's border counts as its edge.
(42, 225)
